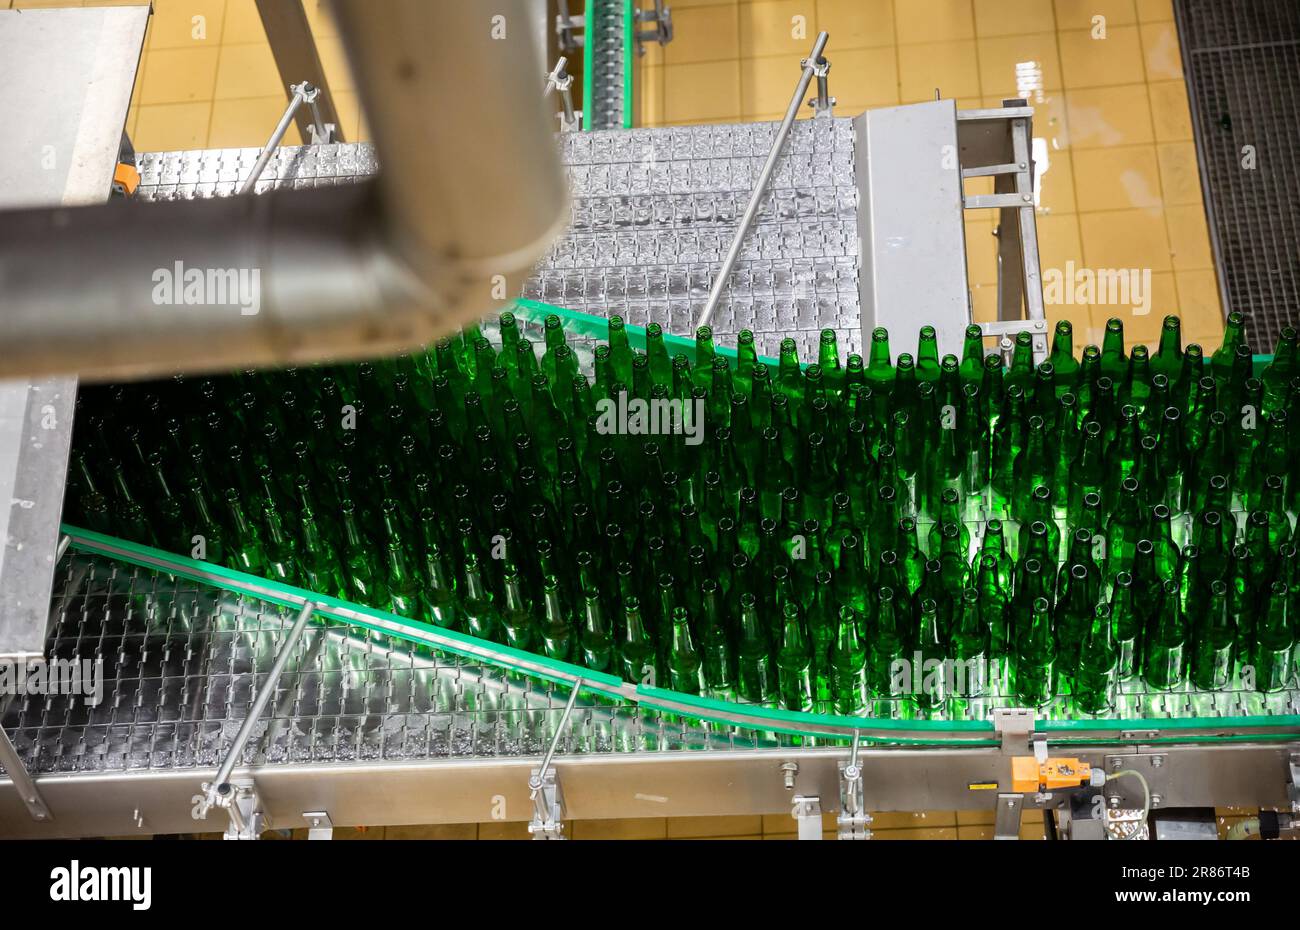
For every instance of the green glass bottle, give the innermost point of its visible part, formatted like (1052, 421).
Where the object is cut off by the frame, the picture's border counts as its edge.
(1034, 668)
(794, 662)
(1274, 640)
(753, 659)
(1164, 661)
(557, 630)
(886, 646)
(1098, 676)
(1062, 357)
(1128, 624)
(930, 680)
(970, 645)
(1114, 364)
(1234, 336)
(849, 659)
(1214, 638)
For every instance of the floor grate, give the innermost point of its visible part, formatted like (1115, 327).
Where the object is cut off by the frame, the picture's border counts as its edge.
(1242, 63)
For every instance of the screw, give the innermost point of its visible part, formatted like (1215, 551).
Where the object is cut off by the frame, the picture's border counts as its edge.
(789, 771)
(1156, 800)
(1114, 802)
(1116, 764)
(1157, 761)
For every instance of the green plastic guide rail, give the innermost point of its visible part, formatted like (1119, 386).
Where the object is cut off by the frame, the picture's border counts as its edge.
(947, 733)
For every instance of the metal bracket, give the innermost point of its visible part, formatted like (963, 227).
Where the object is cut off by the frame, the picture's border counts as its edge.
(319, 825)
(560, 81)
(853, 820)
(302, 93)
(567, 29)
(808, 813)
(1293, 781)
(18, 774)
(241, 801)
(1014, 725)
(661, 31)
(544, 787)
(823, 105)
(1007, 819)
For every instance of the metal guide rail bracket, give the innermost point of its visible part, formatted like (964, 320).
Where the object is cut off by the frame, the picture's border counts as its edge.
(544, 787)
(853, 820)
(660, 20)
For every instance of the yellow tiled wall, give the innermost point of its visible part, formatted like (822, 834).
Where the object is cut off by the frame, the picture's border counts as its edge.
(1121, 188)
(208, 79)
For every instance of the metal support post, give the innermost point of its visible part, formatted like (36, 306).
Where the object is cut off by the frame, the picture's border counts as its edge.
(566, 28)
(18, 774)
(809, 66)
(548, 802)
(823, 105)
(302, 93)
(1007, 819)
(319, 825)
(853, 820)
(561, 82)
(236, 798)
(808, 813)
(1293, 781)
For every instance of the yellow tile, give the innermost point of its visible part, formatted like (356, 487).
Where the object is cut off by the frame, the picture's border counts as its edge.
(334, 61)
(1013, 17)
(933, 20)
(981, 252)
(1155, 11)
(709, 91)
(950, 67)
(683, 4)
(1126, 239)
(1189, 238)
(977, 818)
(1056, 184)
(1003, 62)
(1090, 62)
(1104, 116)
(178, 75)
(781, 836)
(777, 27)
(640, 828)
(1049, 118)
(856, 23)
(920, 833)
(504, 830)
(895, 820)
(1141, 327)
(1180, 177)
(1170, 112)
(1079, 14)
(765, 83)
(981, 832)
(1085, 332)
(243, 24)
(248, 123)
(700, 827)
(186, 23)
(709, 33)
(862, 78)
(172, 127)
(1117, 178)
(1160, 49)
(752, 836)
(650, 96)
(984, 303)
(320, 18)
(1058, 240)
(348, 107)
(358, 833)
(1033, 831)
(248, 71)
(1199, 306)
(436, 831)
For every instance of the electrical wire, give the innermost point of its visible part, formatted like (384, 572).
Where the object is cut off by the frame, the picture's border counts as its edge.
(1146, 789)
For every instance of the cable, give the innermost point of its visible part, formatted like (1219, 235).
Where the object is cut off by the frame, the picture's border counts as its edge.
(1244, 828)
(1146, 789)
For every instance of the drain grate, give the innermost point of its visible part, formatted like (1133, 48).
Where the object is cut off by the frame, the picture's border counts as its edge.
(1242, 63)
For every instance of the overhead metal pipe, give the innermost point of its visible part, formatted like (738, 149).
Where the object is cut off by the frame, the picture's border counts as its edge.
(470, 195)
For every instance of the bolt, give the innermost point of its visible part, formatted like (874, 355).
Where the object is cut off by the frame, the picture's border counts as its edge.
(1114, 802)
(1028, 197)
(1156, 800)
(789, 770)
(1116, 764)
(1157, 761)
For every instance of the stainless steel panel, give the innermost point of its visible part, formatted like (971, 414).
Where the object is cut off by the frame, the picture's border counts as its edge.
(911, 224)
(67, 77)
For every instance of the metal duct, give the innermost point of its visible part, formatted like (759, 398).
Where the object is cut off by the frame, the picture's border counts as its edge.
(470, 196)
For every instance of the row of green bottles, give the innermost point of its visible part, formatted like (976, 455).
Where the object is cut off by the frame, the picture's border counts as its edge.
(813, 538)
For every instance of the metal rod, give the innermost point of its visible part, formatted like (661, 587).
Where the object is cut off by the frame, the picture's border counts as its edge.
(764, 178)
(259, 704)
(301, 93)
(322, 136)
(535, 782)
(561, 81)
(64, 541)
(17, 773)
